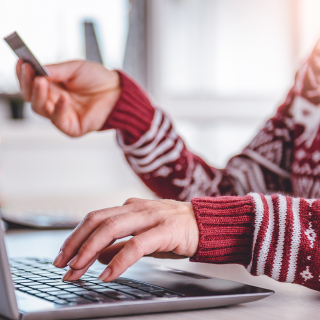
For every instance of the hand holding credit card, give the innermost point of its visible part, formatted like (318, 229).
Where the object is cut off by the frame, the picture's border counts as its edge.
(23, 52)
(77, 97)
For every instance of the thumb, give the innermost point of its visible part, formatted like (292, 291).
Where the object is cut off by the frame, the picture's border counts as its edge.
(63, 72)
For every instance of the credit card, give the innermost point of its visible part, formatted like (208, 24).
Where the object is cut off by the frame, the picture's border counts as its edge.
(23, 52)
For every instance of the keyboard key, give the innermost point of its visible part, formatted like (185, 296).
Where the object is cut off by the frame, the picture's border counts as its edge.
(93, 286)
(50, 289)
(67, 296)
(34, 291)
(65, 286)
(77, 290)
(138, 293)
(164, 294)
(35, 278)
(117, 295)
(25, 289)
(113, 285)
(39, 286)
(57, 292)
(80, 300)
(88, 278)
(96, 297)
(42, 295)
(51, 298)
(61, 302)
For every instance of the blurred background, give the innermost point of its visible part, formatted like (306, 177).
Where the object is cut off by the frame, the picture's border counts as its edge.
(220, 68)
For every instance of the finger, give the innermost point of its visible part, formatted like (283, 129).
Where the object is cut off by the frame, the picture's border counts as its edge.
(63, 72)
(107, 254)
(138, 246)
(63, 114)
(115, 227)
(72, 275)
(92, 221)
(27, 76)
(18, 68)
(132, 200)
(39, 97)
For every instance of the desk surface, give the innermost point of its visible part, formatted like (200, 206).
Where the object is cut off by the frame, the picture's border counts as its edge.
(289, 302)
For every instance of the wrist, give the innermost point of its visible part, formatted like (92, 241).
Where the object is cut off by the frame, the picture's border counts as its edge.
(226, 225)
(132, 113)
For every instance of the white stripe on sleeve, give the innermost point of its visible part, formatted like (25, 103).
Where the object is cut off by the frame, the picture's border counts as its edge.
(295, 240)
(277, 263)
(264, 251)
(257, 222)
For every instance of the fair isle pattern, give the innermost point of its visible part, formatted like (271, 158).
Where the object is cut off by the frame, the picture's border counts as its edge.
(160, 158)
(152, 151)
(271, 234)
(280, 245)
(264, 225)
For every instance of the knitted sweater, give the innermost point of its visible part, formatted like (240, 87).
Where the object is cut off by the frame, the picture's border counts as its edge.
(260, 211)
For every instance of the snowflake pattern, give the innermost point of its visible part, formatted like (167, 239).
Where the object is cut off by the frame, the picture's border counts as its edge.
(310, 201)
(311, 235)
(306, 114)
(316, 156)
(197, 183)
(306, 274)
(163, 171)
(301, 154)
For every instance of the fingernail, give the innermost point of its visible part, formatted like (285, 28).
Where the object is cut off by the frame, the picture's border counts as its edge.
(67, 275)
(105, 274)
(73, 261)
(58, 259)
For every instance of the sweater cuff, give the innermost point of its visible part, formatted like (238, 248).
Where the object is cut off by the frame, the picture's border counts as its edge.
(226, 226)
(133, 113)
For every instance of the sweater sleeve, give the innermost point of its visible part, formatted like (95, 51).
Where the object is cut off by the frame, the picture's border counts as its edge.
(274, 235)
(159, 156)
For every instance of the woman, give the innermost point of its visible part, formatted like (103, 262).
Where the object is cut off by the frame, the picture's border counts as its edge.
(239, 214)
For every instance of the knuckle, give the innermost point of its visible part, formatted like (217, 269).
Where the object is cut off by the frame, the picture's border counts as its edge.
(130, 200)
(84, 247)
(137, 244)
(111, 222)
(92, 216)
(119, 261)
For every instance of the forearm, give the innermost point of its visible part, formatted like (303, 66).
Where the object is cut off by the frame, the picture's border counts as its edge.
(160, 158)
(272, 235)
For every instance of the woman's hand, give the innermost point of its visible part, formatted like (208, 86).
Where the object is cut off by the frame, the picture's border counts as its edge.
(78, 96)
(161, 228)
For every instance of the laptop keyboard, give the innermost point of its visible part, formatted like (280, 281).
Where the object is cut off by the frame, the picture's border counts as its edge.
(40, 278)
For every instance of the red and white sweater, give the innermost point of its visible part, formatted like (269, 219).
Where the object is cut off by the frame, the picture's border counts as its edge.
(260, 211)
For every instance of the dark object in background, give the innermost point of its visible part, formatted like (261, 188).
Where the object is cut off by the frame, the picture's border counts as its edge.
(16, 104)
(17, 108)
(91, 43)
(42, 220)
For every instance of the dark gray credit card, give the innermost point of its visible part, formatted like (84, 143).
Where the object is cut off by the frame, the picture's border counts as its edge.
(23, 52)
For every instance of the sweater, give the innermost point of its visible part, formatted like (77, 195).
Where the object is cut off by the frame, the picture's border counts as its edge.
(261, 210)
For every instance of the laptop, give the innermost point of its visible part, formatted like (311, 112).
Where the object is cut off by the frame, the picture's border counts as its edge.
(31, 288)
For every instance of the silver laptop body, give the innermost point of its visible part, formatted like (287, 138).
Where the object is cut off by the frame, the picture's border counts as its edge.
(193, 291)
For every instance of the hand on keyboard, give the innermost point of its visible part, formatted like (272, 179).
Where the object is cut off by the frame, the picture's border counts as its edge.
(159, 228)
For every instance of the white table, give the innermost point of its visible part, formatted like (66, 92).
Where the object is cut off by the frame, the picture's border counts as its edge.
(289, 302)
